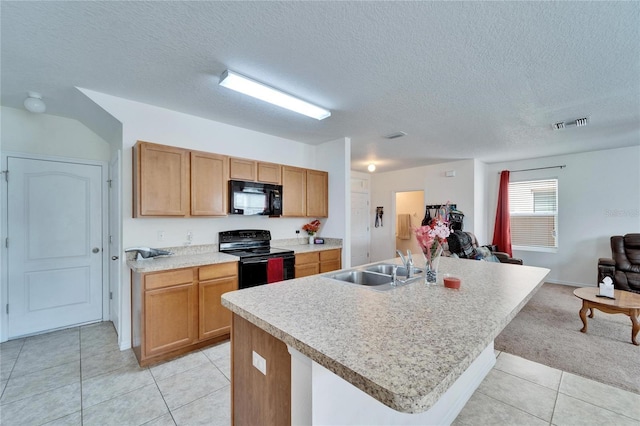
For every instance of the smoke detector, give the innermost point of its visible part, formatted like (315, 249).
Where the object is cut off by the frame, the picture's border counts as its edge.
(578, 122)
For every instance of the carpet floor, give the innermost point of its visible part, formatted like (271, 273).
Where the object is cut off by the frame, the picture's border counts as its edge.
(547, 330)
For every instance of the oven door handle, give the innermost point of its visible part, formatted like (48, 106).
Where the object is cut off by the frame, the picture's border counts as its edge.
(249, 262)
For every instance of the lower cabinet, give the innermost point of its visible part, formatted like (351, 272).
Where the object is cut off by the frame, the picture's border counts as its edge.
(176, 311)
(318, 262)
(214, 320)
(330, 260)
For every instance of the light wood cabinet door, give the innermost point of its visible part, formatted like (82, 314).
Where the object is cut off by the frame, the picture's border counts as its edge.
(307, 264)
(269, 173)
(169, 318)
(294, 191)
(242, 169)
(330, 260)
(317, 193)
(214, 319)
(161, 180)
(208, 184)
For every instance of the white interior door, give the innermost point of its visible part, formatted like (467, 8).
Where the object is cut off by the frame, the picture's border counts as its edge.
(54, 214)
(359, 226)
(115, 262)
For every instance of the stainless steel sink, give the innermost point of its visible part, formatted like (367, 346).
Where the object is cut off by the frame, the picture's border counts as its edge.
(387, 269)
(363, 278)
(378, 277)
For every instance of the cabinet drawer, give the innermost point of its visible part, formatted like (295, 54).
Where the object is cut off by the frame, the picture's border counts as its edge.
(165, 279)
(218, 270)
(328, 266)
(306, 269)
(329, 255)
(307, 258)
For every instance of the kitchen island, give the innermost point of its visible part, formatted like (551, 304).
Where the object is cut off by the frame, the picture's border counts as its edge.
(402, 349)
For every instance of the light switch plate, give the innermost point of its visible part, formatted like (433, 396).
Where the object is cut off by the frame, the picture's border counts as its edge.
(260, 363)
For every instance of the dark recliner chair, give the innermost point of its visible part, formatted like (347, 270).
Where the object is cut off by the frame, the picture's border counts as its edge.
(471, 251)
(624, 268)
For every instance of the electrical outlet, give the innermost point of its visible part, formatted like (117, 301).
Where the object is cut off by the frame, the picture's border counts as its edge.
(160, 235)
(260, 363)
(189, 236)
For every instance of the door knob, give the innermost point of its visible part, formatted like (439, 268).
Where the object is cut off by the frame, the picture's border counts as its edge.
(96, 250)
(114, 258)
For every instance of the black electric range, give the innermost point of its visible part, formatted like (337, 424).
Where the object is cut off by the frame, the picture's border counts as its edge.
(253, 247)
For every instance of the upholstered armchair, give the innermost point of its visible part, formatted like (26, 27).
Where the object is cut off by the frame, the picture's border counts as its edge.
(624, 267)
(475, 251)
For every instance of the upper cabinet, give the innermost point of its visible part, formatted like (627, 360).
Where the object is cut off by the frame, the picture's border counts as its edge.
(254, 171)
(169, 181)
(304, 192)
(161, 180)
(317, 193)
(177, 182)
(269, 173)
(242, 169)
(208, 184)
(294, 191)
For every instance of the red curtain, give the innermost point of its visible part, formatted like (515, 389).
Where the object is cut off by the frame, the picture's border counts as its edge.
(502, 228)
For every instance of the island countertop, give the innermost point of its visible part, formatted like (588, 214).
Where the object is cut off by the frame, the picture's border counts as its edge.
(404, 347)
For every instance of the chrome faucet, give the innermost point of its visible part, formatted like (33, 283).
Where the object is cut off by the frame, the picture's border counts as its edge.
(408, 262)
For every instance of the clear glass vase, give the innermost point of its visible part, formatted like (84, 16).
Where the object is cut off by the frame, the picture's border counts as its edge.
(431, 266)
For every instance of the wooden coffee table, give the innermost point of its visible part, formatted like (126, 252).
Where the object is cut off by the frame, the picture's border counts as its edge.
(625, 302)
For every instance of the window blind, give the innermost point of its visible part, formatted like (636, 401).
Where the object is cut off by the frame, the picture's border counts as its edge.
(533, 209)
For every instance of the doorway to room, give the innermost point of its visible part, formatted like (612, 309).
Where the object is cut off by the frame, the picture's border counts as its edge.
(409, 210)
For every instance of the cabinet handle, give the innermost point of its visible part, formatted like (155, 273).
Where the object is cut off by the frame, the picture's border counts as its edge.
(114, 258)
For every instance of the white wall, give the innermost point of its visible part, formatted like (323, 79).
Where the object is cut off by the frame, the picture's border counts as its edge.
(335, 158)
(438, 189)
(598, 196)
(159, 125)
(44, 134)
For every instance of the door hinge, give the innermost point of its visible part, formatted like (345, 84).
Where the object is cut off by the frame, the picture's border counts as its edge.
(109, 182)
(7, 309)
(110, 239)
(110, 295)
(6, 175)
(6, 242)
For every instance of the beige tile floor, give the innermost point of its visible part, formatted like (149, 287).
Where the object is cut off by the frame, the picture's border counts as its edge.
(80, 377)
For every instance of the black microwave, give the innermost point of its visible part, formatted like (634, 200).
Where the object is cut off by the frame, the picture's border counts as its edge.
(254, 198)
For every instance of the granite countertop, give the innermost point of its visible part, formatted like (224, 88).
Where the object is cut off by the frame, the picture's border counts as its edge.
(404, 347)
(180, 261)
(190, 256)
(301, 245)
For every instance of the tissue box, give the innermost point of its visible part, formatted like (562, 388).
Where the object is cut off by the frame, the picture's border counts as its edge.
(606, 287)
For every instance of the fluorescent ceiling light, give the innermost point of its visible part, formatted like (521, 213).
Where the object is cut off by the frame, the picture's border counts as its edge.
(242, 84)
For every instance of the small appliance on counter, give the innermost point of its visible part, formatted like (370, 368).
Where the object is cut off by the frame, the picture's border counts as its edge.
(148, 252)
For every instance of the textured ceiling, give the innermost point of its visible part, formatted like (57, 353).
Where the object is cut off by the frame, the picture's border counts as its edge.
(463, 79)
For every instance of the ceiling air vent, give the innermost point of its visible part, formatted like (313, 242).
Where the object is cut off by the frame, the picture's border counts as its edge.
(581, 122)
(578, 122)
(395, 135)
